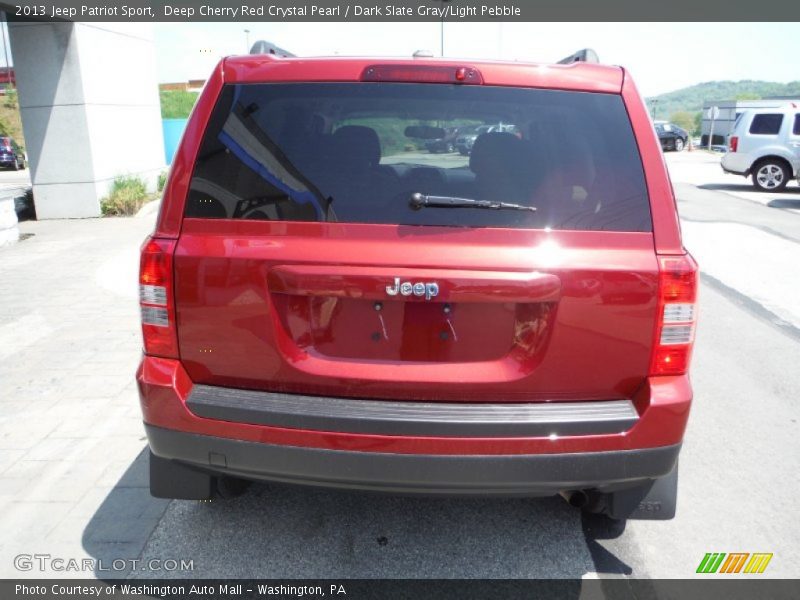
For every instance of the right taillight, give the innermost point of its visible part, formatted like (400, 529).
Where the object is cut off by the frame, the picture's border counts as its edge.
(677, 315)
(156, 298)
(734, 144)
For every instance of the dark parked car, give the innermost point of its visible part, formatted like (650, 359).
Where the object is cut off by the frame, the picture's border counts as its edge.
(466, 138)
(671, 136)
(444, 144)
(11, 154)
(321, 307)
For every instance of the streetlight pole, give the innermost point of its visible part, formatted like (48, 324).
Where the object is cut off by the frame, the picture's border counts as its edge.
(441, 33)
(441, 30)
(247, 40)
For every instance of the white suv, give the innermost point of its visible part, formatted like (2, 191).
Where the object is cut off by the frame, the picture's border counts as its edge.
(765, 144)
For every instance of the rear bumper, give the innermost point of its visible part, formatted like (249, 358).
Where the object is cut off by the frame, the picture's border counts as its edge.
(735, 163)
(731, 172)
(430, 474)
(419, 419)
(522, 449)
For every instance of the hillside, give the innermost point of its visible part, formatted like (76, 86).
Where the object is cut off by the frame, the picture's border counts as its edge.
(691, 99)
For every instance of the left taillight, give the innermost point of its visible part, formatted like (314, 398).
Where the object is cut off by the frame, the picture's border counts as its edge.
(677, 315)
(156, 299)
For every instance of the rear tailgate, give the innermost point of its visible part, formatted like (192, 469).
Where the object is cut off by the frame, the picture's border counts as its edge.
(302, 268)
(519, 315)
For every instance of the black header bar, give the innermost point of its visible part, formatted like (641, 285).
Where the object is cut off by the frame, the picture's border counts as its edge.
(449, 11)
(407, 589)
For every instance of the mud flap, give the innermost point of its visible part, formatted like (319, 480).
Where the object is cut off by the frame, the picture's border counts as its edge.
(169, 479)
(655, 501)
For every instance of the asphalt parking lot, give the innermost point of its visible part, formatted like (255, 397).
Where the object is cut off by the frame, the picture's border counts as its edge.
(73, 482)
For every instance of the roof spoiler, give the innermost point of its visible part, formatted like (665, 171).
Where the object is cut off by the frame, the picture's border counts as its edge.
(263, 47)
(586, 55)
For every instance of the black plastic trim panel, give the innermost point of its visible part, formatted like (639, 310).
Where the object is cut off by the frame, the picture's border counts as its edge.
(428, 474)
(448, 419)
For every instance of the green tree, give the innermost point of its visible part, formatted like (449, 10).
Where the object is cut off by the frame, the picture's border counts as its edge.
(177, 104)
(747, 96)
(683, 119)
(11, 98)
(698, 123)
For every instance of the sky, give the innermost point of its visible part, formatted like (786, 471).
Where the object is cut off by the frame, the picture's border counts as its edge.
(662, 57)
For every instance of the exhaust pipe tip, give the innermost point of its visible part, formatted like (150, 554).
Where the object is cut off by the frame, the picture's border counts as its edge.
(575, 498)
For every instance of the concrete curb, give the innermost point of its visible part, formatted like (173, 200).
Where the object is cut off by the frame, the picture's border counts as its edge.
(9, 223)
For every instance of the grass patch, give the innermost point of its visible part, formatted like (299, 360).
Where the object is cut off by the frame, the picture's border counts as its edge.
(127, 195)
(177, 104)
(10, 122)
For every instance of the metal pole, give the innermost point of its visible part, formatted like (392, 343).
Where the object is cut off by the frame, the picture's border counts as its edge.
(247, 40)
(711, 131)
(441, 30)
(441, 33)
(713, 115)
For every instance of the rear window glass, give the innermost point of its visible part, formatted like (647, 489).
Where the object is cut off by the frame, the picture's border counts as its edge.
(766, 124)
(357, 152)
(796, 129)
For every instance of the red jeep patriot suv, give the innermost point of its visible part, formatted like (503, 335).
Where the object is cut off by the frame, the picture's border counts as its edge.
(325, 302)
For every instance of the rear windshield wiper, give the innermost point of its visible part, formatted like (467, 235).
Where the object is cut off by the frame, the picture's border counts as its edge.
(419, 201)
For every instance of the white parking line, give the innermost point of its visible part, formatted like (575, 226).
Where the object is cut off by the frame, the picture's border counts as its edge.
(755, 263)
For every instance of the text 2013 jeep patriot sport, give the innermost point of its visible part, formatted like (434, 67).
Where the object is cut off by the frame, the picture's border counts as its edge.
(325, 302)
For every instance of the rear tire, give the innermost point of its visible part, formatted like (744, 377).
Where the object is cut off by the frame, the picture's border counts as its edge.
(170, 479)
(654, 501)
(231, 487)
(770, 175)
(602, 527)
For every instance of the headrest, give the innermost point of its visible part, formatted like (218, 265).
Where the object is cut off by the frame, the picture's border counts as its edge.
(355, 144)
(493, 150)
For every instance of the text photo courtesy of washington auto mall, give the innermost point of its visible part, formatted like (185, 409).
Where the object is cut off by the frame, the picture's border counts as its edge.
(414, 299)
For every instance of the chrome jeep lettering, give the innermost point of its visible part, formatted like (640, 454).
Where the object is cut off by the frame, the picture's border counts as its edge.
(428, 289)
